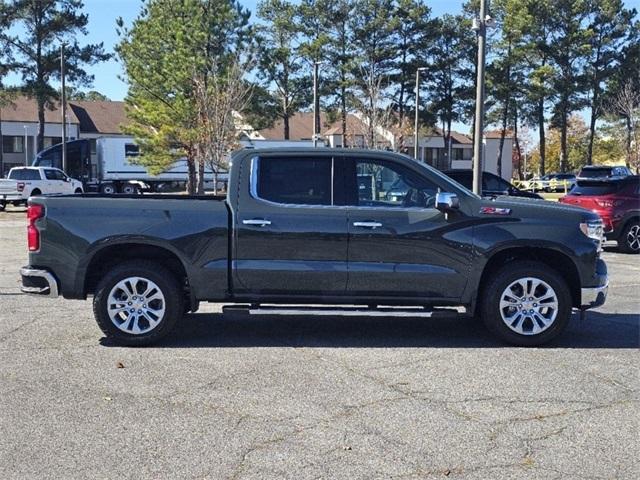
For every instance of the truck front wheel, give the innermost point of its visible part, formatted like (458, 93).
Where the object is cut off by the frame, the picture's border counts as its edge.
(526, 303)
(138, 303)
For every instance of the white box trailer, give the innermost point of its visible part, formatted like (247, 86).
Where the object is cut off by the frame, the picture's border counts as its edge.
(112, 168)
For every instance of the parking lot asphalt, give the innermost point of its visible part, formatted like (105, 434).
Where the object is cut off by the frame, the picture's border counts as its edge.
(308, 398)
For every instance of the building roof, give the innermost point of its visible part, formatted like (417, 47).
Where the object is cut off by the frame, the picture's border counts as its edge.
(497, 134)
(301, 127)
(23, 109)
(99, 116)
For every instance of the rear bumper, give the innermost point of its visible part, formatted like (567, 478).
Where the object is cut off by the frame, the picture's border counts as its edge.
(12, 197)
(38, 282)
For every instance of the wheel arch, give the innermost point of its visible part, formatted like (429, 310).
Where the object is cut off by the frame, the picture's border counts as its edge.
(108, 256)
(556, 260)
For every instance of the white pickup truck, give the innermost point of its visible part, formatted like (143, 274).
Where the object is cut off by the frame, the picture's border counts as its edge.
(24, 182)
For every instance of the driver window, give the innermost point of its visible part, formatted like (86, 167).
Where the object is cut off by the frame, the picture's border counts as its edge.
(383, 184)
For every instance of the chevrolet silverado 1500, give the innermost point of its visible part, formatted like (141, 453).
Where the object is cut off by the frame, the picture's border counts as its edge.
(315, 226)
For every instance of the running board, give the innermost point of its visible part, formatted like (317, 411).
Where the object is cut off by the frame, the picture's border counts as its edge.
(298, 311)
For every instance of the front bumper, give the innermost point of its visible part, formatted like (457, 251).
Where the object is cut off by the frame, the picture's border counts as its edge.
(38, 282)
(594, 296)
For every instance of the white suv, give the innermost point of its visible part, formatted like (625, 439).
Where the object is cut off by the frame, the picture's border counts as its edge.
(24, 182)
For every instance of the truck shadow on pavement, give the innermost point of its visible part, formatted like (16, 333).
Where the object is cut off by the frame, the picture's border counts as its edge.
(598, 330)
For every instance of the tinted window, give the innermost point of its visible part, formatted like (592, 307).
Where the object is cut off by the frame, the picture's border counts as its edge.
(131, 150)
(305, 181)
(50, 175)
(24, 174)
(595, 172)
(494, 184)
(601, 188)
(384, 184)
(463, 178)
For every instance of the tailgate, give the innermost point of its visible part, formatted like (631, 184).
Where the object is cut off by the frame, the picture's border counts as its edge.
(8, 186)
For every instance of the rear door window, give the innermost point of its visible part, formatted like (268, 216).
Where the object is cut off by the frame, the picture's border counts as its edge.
(24, 174)
(295, 181)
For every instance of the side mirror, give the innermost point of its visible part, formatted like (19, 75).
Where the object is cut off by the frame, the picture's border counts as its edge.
(447, 201)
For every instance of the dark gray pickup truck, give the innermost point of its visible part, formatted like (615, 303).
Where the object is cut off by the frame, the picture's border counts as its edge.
(309, 227)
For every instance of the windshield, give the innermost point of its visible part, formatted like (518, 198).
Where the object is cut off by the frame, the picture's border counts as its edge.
(596, 189)
(595, 172)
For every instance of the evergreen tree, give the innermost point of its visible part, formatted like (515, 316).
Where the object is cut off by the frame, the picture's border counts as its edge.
(609, 32)
(171, 50)
(39, 27)
(281, 64)
(450, 78)
(414, 34)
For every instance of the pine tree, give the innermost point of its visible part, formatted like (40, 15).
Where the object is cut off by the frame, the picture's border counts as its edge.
(39, 27)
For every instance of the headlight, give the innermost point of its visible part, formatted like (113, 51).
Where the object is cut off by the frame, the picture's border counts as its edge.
(594, 230)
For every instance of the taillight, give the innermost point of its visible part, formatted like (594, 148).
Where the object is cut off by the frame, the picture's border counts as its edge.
(20, 186)
(34, 212)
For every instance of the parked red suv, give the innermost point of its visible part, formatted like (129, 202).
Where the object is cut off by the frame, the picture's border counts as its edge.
(617, 201)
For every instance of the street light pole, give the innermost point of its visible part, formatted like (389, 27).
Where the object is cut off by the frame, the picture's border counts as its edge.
(64, 110)
(481, 28)
(26, 147)
(416, 143)
(316, 105)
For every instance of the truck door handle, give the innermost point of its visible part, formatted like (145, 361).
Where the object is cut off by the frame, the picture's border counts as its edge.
(258, 222)
(371, 225)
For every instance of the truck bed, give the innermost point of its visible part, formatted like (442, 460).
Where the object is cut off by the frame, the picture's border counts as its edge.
(81, 231)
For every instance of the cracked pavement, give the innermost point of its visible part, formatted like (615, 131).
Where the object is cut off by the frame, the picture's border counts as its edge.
(233, 397)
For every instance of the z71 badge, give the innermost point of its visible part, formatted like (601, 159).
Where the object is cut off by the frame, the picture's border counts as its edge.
(495, 211)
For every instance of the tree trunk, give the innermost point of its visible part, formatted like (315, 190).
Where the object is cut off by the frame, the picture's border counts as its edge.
(191, 176)
(521, 174)
(200, 176)
(563, 143)
(503, 132)
(1, 147)
(343, 101)
(541, 136)
(286, 127)
(592, 124)
(628, 142)
(40, 143)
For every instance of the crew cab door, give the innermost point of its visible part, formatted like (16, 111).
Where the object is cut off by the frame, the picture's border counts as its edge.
(290, 238)
(400, 245)
(52, 183)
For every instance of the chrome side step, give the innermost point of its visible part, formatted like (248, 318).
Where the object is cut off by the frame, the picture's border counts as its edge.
(348, 311)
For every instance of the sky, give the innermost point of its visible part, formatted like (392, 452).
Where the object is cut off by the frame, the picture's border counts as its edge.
(102, 28)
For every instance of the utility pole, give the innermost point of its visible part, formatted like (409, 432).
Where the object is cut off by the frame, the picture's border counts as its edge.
(64, 111)
(316, 105)
(416, 130)
(480, 26)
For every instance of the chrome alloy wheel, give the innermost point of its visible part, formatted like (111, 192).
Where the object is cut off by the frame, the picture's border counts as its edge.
(633, 237)
(136, 305)
(528, 306)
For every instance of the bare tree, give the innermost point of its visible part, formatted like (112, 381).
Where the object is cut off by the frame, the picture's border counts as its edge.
(220, 98)
(374, 105)
(626, 105)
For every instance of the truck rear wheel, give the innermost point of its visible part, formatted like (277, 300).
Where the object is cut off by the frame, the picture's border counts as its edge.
(526, 303)
(138, 303)
(108, 189)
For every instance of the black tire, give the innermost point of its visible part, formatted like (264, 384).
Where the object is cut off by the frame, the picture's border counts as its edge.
(78, 191)
(108, 189)
(35, 191)
(166, 283)
(498, 283)
(629, 240)
(129, 189)
(2, 206)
